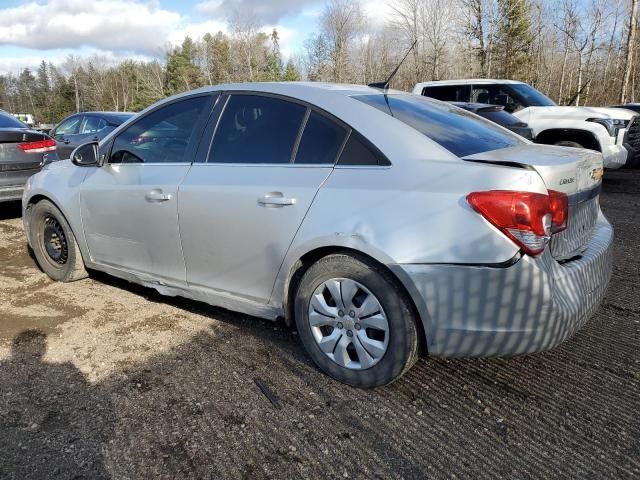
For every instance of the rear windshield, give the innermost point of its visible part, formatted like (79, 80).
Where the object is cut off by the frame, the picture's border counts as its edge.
(8, 121)
(457, 130)
(120, 119)
(501, 117)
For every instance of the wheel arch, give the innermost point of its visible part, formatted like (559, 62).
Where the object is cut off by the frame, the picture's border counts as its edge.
(584, 137)
(304, 262)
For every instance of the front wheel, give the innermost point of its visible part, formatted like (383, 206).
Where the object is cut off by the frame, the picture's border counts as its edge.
(355, 321)
(54, 244)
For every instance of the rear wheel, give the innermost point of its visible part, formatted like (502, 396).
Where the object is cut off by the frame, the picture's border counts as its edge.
(54, 244)
(568, 143)
(355, 321)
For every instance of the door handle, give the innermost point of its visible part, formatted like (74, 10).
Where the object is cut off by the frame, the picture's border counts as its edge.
(96, 139)
(66, 141)
(156, 195)
(276, 199)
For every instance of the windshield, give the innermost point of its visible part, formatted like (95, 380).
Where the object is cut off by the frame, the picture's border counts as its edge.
(531, 96)
(8, 121)
(453, 128)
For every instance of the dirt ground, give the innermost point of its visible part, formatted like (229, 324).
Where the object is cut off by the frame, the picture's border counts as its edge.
(104, 379)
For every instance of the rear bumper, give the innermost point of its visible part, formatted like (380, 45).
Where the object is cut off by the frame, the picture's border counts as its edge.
(530, 306)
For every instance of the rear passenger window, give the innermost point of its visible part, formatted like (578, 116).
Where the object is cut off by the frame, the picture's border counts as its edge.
(358, 151)
(452, 93)
(321, 141)
(256, 129)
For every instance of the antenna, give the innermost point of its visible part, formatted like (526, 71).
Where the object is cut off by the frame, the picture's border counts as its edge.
(385, 85)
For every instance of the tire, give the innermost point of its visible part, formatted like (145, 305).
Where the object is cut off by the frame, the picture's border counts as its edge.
(568, 143)
(375, 357)
(54, 244)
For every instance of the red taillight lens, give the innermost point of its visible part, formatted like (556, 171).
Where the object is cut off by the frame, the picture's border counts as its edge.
(559, 205)
(524, 217)
(39, 146)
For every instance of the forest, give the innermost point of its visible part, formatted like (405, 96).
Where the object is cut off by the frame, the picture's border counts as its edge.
(578, 52)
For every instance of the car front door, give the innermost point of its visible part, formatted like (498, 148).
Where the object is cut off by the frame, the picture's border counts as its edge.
(130, 205)
(66, 135)
(240, 209)
(90, 129)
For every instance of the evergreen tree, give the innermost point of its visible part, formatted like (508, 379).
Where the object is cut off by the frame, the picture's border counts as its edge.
(514, 39)
(291, 73)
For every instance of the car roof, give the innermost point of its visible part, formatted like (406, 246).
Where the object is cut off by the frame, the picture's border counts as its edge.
(468, 81)
(106, 114)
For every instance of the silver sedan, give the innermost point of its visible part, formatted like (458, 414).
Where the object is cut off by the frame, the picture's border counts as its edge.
(382, 225)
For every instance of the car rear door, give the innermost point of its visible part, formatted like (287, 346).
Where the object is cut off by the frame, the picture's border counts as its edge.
(241, 207)
(129, 205)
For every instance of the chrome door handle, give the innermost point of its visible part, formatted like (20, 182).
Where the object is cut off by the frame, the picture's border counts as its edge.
(276, 199)
(157, 196)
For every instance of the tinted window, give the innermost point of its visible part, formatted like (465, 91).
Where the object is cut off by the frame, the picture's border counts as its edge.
(531, 96)
(452, 93)
(7, 121)
(495, 95)
(358, 151)
(160, 137)
(69, 127)
(501, 117)
(455, 129)
(321, 140)
(93, 124)
(255, 129)
(120, 119)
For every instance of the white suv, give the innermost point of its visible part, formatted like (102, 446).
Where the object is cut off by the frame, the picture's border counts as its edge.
(597, 128)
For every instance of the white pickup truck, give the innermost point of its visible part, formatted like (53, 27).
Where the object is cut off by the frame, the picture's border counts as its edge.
(611, 131)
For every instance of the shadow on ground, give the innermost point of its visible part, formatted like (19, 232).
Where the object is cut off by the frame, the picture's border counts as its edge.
(196, 411)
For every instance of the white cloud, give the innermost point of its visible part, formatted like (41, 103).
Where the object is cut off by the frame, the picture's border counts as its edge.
(269, 11)
(105, 24)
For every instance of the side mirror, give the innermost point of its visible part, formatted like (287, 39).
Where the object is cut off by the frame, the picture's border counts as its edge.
(86, 155)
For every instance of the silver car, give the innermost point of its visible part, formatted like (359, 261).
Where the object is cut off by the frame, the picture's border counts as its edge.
(382, 225)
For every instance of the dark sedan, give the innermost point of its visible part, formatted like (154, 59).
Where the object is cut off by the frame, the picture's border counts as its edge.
(23, 151)
(85, 127)
(497, 114)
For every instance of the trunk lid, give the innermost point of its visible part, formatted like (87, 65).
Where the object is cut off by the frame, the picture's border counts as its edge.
(575, 172)
(16, 166)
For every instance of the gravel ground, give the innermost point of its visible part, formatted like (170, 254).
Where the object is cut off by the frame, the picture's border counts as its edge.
(101, 378)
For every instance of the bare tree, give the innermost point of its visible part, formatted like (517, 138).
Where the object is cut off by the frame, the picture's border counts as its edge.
(633, 27)
(341, 23)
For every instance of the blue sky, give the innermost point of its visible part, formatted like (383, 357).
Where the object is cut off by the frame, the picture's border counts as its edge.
(35, 30)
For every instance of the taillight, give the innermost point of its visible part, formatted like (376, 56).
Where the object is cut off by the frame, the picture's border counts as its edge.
(559, 205)
(40, 146)
(524, 217)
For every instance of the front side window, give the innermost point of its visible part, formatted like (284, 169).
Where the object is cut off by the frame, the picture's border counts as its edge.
(321, 141)
(69, 127)
(455, 129)
(531, 96)
(496, 95)
(93, 125)
(161, 136)
(257, 129)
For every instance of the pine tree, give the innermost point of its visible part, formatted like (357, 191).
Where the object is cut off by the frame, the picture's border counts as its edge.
(291, 73)
(514, 39)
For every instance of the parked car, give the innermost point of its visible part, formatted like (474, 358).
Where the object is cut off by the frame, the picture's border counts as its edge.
(629, 106)
(85, 127)
(22, 153)
(632, 137)
(445, 234)
(497, 114)
(25, 118)
(596, 128)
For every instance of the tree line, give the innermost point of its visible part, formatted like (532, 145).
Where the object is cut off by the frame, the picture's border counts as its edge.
(579, 52)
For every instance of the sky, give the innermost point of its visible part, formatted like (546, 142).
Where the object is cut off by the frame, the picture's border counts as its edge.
(36, 30)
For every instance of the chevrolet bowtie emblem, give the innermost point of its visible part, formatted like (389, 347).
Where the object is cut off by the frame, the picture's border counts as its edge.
(597, 173)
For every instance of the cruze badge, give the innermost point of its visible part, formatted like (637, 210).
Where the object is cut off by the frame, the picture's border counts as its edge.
(597, 173)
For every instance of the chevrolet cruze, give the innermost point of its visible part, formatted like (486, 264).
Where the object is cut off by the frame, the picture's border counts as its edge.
(380, 224)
